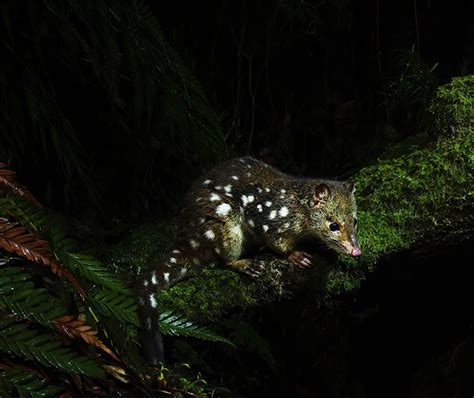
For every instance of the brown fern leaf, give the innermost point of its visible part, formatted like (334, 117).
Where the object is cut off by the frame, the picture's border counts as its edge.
(76, 328)
(8, 181)
(16, 239)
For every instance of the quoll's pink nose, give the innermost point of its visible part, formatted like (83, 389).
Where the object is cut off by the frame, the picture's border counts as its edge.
(355, 252)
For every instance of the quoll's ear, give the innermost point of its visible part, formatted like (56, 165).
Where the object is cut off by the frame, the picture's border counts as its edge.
(321, 193)
(350, 186)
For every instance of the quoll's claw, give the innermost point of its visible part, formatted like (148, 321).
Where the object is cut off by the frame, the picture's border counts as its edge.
(301, 259)
(254, 269)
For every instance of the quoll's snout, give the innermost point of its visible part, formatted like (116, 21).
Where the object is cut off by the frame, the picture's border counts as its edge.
(355, 252)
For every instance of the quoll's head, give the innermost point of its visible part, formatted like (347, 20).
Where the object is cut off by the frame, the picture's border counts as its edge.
(334, 214)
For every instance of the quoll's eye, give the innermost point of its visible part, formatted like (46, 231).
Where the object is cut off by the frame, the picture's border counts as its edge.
(334, 226)
(355, 222)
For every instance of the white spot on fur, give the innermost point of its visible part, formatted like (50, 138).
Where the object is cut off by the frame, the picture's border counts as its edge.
(214, 197)
(202, 220)
(153, 279)
(282, 196)
(260, 190)
(249, 166)
(250, 198)
(260, 208)
(184, 271)
(194, 243)
(287, 225)
(228, 188)
(236, 230)
(210, 234)
(148, 323)
(283, 212)
(229, 195)
(172, 260)
(235, 178)
(207, 182)
(145, 283)
(244, 200)
(218, 187)
(217, 250)
(283, 190)
(223, 209)
(166, 277)
(177, 251)
(267, 189)
(251, 223)
(198, 199)
(265, 228)
(248, 174)
(272, 215)
(153, 302)
(268, 203)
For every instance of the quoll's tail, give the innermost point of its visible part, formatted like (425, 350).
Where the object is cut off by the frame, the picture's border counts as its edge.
(171, 270)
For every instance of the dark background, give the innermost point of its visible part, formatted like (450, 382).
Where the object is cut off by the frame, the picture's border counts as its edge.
(317, 88)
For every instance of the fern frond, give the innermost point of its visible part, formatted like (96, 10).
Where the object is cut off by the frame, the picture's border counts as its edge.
(27, 343)
(18, 293)
(8, 182)
(117, 305)
(27, 384)
(38, 220)
(179, 325)
(93, 270)
(76, 328)
(17, 239)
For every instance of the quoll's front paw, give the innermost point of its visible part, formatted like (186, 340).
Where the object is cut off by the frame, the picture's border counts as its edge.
(254, 269)
(250, 267)
(300, 259)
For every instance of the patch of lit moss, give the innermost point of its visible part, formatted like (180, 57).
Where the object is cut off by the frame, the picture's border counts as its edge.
(453, 106)
(402, 198)
(417, 197)
(210, 294)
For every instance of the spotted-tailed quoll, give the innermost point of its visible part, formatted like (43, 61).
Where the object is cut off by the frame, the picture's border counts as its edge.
(245, 203)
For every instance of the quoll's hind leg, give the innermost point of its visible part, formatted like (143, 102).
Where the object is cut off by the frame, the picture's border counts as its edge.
(230, 248)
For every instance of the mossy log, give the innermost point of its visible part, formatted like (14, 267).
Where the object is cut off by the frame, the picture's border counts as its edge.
(416, 201)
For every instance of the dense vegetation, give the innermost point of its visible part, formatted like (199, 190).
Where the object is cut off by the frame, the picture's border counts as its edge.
(110, 108)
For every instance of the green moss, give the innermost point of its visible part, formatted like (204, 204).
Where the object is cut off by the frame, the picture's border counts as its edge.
(133, 255)
(453, 106)
(403, 199)
(416, 198)
(210, 294)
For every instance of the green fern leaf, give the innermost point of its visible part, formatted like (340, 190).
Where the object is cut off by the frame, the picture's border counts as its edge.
(19, 295)
(118, 305)
(16, 338)
(179, 325)
(38, 220)
(27, 384)
(92, 269)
